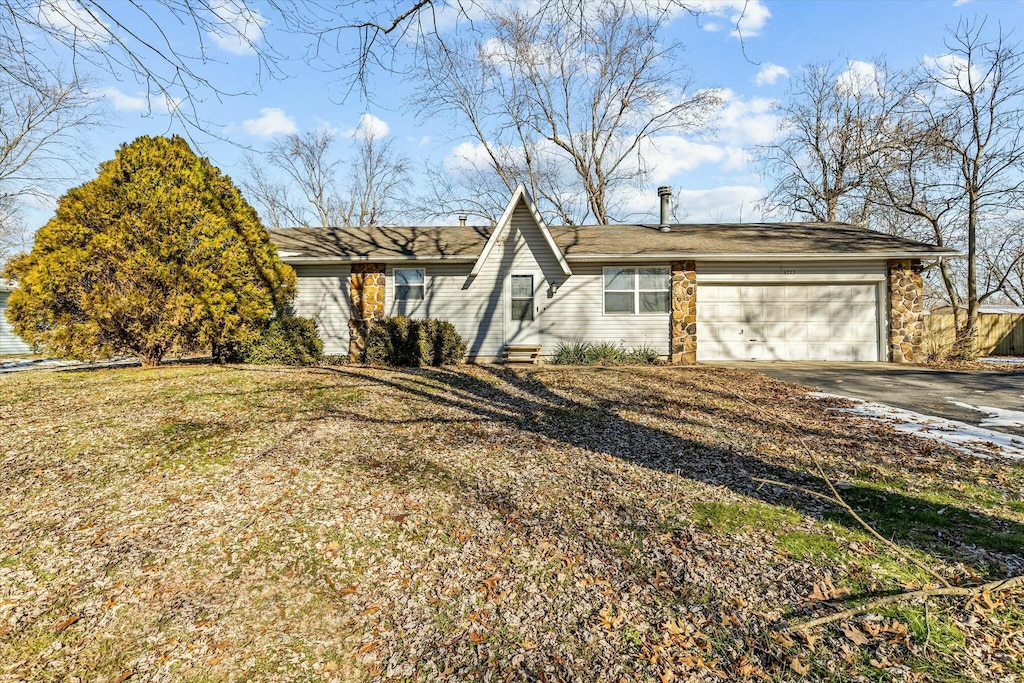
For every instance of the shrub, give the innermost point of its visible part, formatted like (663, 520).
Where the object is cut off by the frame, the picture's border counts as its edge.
(606, 353)
(643, 355)
(401, 342)
(392, 342)
(439, 343)
(586, 353)
(287, 340)
(571, 353)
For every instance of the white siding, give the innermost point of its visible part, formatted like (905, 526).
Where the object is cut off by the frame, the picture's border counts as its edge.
(472, 305)
(10, 343)
(477, 305)
(323, 295)
(576, 312)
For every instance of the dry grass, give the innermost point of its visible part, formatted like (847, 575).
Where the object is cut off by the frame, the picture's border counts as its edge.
(222, 523)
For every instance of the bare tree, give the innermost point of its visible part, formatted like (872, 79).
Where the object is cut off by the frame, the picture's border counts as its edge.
(836, 121)
(960, 166)
(42, 114)
(133, 40)
(1002, 262)
(320, 187)
(566, 106)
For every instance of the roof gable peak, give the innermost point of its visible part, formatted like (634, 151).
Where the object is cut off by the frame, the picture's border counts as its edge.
(521, 194)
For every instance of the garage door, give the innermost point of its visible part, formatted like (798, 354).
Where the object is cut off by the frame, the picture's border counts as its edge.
(834, 322)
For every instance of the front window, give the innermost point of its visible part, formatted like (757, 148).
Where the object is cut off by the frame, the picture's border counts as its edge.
(409, 284)
(522, 297)
(635, 290)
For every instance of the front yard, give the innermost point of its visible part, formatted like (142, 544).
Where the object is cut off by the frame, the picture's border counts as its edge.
(204, 523)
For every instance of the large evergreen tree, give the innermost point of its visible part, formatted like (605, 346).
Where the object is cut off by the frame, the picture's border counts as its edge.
(160, 253)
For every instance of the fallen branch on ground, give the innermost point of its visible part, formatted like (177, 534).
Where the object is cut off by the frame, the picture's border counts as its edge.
(836, 499)
(944, 589)
(960, 591)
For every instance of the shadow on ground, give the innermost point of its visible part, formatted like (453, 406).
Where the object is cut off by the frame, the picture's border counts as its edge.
(523, 401)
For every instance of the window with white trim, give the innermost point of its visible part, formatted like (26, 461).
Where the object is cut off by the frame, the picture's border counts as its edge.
(636, 290)
(409, 284)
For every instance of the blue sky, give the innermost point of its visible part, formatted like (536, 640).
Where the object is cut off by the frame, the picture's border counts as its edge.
(712, 174)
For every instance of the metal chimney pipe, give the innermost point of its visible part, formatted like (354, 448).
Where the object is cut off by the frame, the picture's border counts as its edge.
(665, 194)
(462, 221)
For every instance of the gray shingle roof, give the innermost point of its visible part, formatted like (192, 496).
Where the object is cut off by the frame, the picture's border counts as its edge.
(684, 240)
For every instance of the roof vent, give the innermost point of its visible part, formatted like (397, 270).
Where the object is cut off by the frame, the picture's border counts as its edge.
(665, 194)
(462, 221)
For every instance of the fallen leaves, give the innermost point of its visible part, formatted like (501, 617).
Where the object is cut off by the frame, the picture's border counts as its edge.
(609, 619)
(445, 527)
(798, 666)
(74, 618)
(825, 590)
(855, 634)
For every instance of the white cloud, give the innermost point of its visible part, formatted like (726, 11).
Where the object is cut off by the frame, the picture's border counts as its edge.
(957, 3)
(122, 101)
(664, 156)
(241, 26)
(74, 20)
(743, 122)
(770, 73)
(370, 126)
(859, 77)
(273, 121)
(954, 72)
(746, 17)
(726, 204)
(467, 155)
(160, 104)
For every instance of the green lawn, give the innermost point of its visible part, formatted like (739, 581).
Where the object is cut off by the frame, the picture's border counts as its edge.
(204, 523)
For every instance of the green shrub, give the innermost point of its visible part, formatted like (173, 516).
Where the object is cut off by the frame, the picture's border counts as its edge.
(643, 355)
(287, 340)
(571, 353)
(439, 343)
(401, 342)
(392, 341)
(606, 353)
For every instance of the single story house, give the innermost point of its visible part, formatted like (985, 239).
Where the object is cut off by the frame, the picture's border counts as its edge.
(10, 343)
(694, 292)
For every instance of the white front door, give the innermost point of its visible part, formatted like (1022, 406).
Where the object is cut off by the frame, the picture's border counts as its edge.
(522, 324)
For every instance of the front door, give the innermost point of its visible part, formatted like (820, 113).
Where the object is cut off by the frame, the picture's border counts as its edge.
(522, 324)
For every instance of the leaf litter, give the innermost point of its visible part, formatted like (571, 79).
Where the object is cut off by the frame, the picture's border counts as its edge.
(226, 523)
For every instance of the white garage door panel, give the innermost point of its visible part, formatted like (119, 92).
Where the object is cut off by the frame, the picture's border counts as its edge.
(787, 322)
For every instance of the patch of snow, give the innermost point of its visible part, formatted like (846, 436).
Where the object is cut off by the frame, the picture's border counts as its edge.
(54, 364)
(997, 417)
(966, 438)
(1009, 360)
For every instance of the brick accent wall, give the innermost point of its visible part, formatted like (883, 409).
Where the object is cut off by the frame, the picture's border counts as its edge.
(366, 294)
(906, 314)
(684, 312)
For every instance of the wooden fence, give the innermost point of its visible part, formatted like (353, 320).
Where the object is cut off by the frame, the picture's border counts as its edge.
(999, 334)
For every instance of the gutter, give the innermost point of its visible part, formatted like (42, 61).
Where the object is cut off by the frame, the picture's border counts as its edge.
(604, 258)
(341, 260)
(830, 256)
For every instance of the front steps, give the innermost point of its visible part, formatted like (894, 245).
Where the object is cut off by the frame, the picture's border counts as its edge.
(521, 354)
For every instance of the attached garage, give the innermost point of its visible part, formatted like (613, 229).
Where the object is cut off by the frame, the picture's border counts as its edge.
(791, 312)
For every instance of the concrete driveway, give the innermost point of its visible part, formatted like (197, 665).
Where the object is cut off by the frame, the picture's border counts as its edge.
(962, 396)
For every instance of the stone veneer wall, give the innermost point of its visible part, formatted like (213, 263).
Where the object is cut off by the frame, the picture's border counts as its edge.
(906, 313)
(366, 293)
(684, 312)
